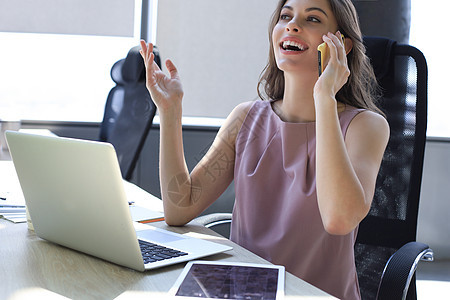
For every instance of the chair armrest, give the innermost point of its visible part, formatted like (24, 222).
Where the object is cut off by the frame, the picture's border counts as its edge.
(219, 222)
(400, 269)
(212, 220)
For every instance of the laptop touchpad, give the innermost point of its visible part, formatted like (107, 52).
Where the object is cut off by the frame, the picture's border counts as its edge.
(157, 236)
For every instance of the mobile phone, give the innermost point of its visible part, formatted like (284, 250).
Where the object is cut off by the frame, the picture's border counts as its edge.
(323, 54)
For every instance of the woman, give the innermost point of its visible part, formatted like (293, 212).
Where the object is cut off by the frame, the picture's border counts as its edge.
(304, 163)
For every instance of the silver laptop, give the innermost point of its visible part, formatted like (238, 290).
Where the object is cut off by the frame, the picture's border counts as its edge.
(75, 197)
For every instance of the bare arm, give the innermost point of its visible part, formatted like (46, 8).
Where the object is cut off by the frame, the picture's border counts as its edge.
(346, 170)
(186, 195)
(167, 93)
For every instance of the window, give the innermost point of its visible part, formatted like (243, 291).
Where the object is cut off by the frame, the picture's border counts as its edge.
(428, 26)
(57, 77)
(63, 77)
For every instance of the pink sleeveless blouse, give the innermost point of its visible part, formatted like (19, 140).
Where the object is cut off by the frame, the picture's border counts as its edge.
(276, 214)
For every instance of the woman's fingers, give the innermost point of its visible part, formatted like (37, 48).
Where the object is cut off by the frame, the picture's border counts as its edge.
(338, 42)
(172, 69)
(336, 72)
(147, 52)
(152, 68)
(166, 91)
(333, 44)
(337, 48)
(143, 46)
(144, 50)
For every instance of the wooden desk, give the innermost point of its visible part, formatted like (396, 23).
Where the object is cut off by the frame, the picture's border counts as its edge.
(31, 267)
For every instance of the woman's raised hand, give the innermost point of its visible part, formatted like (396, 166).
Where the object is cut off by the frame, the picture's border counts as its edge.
(337, 72)
(166, 92)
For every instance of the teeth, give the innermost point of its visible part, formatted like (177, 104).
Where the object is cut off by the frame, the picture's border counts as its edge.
(292, 44)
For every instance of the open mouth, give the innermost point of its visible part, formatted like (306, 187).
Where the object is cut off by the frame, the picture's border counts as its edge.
(292, 46)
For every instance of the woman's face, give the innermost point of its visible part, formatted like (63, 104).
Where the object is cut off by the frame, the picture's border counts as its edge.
(299, 31)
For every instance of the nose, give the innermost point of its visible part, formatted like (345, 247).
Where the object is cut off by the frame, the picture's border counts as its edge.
(292, 26)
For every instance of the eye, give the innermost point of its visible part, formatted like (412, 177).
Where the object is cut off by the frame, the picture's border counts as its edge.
(285, 17)
(313, 19)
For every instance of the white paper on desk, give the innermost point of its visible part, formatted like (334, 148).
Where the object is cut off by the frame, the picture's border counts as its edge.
(16, 218)
(145, 206)
(10, 188)
(13, 198)
(142, 198)
(8, 210)
(13, 215)
(142, 214)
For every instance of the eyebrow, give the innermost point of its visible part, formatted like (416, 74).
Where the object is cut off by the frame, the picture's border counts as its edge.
(318, 9)
(307, 10)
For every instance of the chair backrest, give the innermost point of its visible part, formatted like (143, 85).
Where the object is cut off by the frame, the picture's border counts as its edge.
(129, 110)
(401, 71)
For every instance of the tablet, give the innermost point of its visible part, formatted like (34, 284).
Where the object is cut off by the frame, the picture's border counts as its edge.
(229, 280)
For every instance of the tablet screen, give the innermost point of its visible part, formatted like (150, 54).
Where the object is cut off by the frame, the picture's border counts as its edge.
(220, 280)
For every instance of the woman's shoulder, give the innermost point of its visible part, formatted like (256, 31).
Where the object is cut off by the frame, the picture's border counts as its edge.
(244, 107)
(235, 120)
(371, 124)
(241, 110)
(371, 118)
(363, 115)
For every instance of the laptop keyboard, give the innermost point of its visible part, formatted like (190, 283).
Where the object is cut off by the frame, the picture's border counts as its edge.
(153, 252)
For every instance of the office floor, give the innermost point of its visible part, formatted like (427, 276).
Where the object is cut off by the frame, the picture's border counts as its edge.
(433, 280)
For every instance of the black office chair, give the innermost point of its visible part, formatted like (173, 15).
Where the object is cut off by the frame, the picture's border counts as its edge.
(386, 251)
(129, 110)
